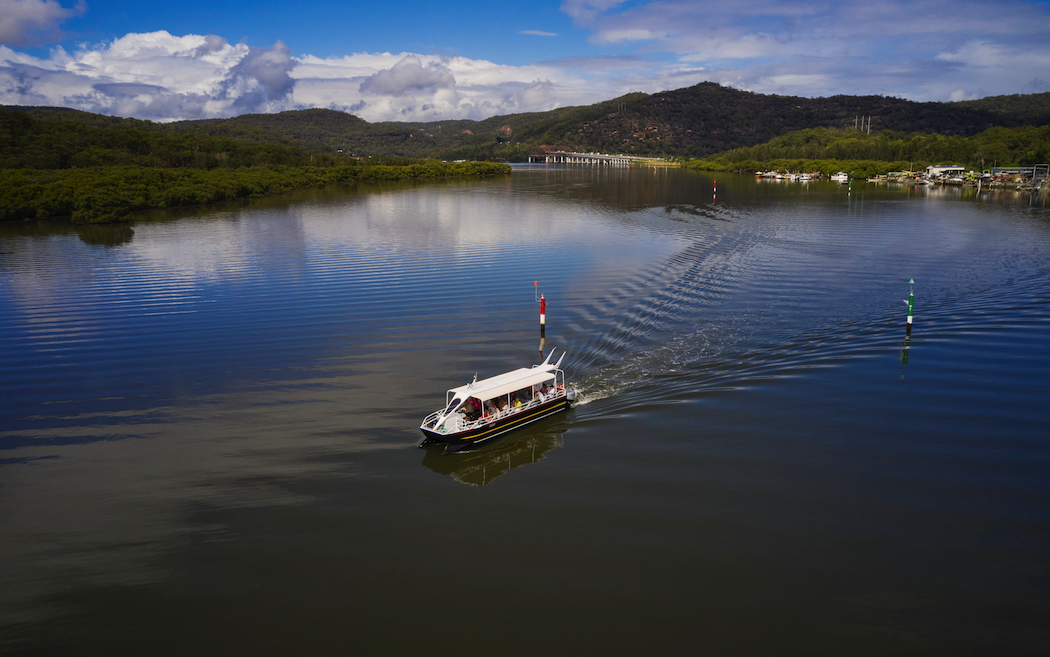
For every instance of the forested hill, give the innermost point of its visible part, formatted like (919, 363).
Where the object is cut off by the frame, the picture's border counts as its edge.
(693, 122)
(709, 118)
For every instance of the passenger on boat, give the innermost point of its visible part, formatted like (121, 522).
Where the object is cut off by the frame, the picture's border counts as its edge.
(490, 408)
(472, 409)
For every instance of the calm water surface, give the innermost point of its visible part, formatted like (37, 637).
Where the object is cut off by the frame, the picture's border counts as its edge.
(208, 422)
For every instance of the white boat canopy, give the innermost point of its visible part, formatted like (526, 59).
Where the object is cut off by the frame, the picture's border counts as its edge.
(504, 384)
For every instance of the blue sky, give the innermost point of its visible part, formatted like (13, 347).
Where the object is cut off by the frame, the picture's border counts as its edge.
(426, 61)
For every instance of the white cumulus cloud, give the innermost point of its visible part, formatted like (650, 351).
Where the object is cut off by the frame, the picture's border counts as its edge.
(162, 77)
(153, 76)
(414, 87)
(26, 22)
(409, 76)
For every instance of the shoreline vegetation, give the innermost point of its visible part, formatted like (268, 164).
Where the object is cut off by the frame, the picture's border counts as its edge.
(829, 150)
(96, 174)
(98, 195)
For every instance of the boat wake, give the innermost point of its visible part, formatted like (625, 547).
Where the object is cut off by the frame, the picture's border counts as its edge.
(687, 341)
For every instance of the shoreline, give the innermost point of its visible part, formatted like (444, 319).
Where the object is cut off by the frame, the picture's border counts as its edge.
(103, 195)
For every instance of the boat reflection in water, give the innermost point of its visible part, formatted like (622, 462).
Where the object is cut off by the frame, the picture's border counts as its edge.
(481, 465)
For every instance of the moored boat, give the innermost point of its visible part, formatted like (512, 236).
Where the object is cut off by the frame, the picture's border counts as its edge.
(482, 410)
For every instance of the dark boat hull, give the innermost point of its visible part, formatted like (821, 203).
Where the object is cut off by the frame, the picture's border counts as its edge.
(498, 427)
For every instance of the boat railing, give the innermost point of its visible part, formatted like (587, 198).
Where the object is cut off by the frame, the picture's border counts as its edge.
(499, 415)
(429, 420)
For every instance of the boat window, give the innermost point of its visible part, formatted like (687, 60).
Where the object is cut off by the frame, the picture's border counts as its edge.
(451, 407)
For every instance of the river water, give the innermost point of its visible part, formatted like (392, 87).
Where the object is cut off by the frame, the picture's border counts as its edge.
(209, 420)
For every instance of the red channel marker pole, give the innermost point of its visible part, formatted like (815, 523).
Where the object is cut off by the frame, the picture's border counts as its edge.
(543, 315)
(543, 309)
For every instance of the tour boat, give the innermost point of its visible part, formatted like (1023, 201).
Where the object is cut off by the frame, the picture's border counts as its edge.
(482, 410)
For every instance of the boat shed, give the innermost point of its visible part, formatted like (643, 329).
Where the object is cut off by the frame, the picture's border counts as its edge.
(1033, 172)
(938, 170)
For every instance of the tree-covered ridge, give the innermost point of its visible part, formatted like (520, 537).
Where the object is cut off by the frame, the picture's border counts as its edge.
(62, 143)
(708, 118)
(829, 150)
(696, 121)
(693, 122)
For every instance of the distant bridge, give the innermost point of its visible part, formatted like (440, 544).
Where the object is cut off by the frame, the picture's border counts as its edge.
(561, 157)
